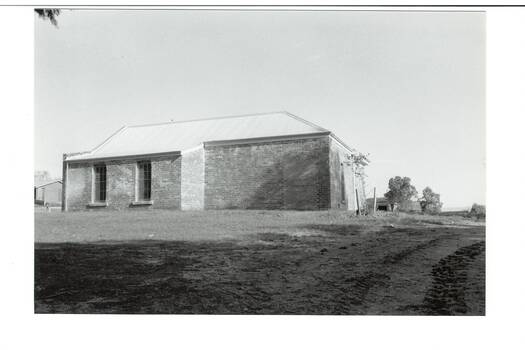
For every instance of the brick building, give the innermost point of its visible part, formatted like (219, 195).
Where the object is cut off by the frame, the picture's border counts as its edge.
(260, 161)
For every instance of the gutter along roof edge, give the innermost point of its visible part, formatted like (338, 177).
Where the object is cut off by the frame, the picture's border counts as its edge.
(206, 143)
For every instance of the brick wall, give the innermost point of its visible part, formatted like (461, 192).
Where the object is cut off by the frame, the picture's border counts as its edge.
(165, 182)
(120, 187)
(120, 184)
(192, 180)
(273, 175)
(78, 188)
(294, 174)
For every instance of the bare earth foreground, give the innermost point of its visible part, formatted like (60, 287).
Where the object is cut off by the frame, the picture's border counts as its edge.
(258, 262)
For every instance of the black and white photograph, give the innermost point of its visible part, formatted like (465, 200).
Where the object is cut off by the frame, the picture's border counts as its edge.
(259, 162)
(262, 175)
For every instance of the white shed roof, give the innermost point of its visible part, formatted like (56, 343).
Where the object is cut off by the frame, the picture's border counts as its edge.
(183, 135)
(38, 185)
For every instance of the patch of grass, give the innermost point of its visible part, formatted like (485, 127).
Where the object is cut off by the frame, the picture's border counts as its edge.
(54, 227)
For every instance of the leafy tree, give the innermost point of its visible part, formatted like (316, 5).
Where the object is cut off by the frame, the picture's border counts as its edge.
(50, 14)
(358, 161)
(400, 191)
(430, 202)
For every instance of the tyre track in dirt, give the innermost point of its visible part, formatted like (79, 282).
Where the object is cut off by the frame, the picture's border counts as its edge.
(401, 274)
(345, 270)
(409, 274)
(447, 294)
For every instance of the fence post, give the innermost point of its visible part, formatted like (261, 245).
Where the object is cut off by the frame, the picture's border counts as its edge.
(375, 202)
(357, 199)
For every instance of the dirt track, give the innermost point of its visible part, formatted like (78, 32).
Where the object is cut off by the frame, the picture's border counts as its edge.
(356, 268)
(451, 281)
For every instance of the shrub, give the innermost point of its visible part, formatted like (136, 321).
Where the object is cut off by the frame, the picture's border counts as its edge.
(477, 211)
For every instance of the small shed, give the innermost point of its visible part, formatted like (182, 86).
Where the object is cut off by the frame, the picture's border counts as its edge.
(49, 194)
(410, 207)
(381, 204)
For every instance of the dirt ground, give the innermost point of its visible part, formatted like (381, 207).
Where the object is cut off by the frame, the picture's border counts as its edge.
(258, 262)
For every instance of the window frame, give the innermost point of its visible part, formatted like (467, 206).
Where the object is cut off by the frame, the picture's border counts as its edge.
(143, 174)
(96, 184)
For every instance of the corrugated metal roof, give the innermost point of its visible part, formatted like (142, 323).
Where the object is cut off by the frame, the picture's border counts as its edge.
(183, 135)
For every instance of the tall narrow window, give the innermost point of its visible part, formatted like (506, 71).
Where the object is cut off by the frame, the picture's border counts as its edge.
(100, 183)
(144, 181)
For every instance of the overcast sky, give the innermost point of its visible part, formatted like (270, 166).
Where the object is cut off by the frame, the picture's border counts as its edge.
(406, 87)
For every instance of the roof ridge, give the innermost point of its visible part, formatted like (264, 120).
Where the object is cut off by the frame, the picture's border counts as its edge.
(305, 121)
(211, 118)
